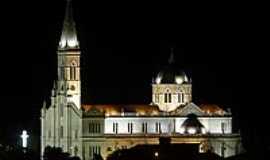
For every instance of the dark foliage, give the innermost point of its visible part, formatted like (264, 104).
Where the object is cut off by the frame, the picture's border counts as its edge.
(56, 153)
(13, 153)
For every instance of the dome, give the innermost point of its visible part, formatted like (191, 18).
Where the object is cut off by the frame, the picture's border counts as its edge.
(192, 126)
(170, 75)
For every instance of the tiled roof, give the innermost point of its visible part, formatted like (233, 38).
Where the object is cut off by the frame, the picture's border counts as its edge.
(212, 109)
(112, 109)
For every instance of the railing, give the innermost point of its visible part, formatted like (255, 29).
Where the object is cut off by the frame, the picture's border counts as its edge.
(171, 135)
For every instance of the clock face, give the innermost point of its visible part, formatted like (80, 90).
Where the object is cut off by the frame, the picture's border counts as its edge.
(72, 87)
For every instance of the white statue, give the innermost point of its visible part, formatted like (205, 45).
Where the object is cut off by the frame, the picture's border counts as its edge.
(24, 137)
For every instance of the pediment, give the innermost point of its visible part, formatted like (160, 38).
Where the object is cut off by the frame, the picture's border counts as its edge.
(94, 112)
(191, 108)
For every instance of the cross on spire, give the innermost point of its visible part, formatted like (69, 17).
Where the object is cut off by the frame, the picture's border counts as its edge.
(171, 58)
(69, 34)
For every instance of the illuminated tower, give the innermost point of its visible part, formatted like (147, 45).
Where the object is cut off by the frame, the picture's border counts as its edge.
(69, 79)
(171, 88)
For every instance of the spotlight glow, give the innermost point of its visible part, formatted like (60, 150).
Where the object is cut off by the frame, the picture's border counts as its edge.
(179, 80)
(182, 130)
(191, 130)
(203, 131)
(158, 80)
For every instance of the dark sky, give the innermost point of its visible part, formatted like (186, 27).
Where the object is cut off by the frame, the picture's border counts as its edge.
(222, 47)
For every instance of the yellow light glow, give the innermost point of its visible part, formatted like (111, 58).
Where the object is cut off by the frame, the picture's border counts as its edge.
(155, 113)
(72, 42)
(191, 130)
(156, 154)
(182, 130)
(158, 80)
(62, 43)
(185, 78)
(203, 131)
(179, 80)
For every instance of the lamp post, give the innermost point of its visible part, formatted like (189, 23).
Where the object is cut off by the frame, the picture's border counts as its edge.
(156, 155)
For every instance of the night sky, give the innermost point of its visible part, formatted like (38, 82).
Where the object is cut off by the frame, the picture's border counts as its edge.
(124, 45)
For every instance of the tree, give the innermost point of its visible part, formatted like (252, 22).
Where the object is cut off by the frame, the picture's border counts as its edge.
(56, 153)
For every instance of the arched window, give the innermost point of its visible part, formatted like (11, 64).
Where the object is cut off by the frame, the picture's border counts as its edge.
(62, 110)
(157, 98)
(73, 71)
(130, 127)
(61, 132)
(144, 127)
(183, 97)
(170, 97)
(167, 96)
(115, 128)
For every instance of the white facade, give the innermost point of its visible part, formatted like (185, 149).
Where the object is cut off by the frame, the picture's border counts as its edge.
(83, 130)
(165, 125)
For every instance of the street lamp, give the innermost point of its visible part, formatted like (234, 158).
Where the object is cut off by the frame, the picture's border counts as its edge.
(156, 155)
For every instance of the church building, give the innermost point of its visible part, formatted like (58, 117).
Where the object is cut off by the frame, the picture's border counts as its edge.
(87, 129)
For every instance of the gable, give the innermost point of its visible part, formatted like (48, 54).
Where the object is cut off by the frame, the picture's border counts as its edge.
(191, 108)
(94, 112)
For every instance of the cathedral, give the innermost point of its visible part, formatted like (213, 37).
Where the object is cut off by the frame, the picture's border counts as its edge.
(87, 129)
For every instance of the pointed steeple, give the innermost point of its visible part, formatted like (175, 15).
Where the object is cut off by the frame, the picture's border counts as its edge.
(54, 90)
(69, 35)
(171, 58)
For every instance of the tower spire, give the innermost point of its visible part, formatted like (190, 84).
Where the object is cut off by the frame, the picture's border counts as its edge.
(68, 38)
(171, 58)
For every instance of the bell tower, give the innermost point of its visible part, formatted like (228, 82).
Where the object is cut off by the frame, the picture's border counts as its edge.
(68, 55)
(171, 88)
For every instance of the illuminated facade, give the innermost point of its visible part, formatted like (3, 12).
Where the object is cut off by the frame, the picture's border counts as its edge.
(85, 130)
